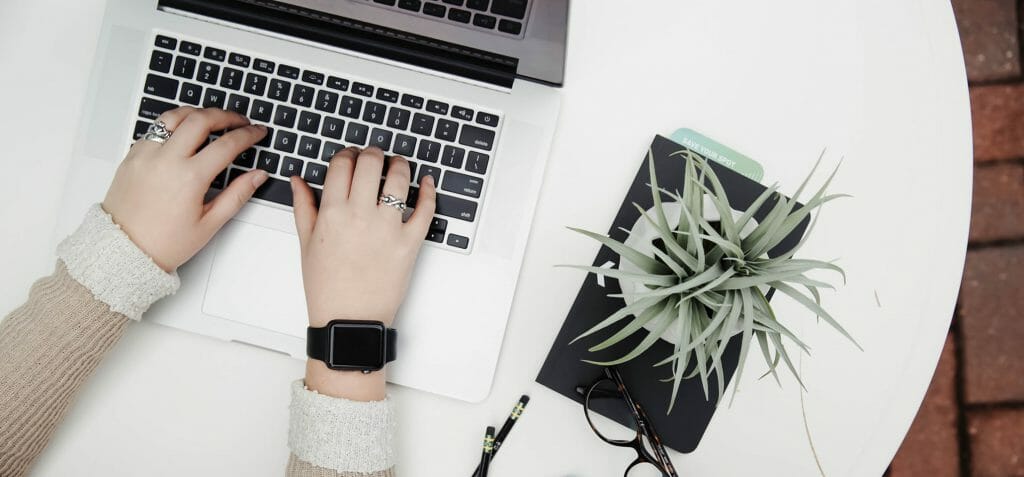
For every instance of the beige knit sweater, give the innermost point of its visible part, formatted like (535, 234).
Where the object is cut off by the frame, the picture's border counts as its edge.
(101, 282)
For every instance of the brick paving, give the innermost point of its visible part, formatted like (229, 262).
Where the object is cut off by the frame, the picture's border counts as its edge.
(971, 423)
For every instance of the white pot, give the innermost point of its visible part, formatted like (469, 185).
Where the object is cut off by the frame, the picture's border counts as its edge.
(642, 236)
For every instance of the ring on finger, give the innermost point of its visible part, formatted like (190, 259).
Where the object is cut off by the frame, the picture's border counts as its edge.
(392, 201)
(157, 132)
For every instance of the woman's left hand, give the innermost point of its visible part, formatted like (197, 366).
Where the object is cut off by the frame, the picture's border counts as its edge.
(157, 196)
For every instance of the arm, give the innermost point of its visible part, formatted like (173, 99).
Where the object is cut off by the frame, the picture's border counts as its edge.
(110, 273)
(357, 257)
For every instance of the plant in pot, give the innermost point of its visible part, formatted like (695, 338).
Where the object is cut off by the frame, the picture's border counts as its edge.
(697, 273)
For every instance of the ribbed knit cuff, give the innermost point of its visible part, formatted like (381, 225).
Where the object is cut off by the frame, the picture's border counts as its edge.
(339, 434)
(100, 256)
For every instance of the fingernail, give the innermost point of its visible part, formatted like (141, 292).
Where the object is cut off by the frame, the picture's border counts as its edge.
(260, 127)
(259, 178)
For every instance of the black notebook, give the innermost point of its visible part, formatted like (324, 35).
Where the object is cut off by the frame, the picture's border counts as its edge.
(564, 369)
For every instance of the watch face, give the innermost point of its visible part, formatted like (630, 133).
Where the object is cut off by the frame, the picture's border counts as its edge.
(358, 345)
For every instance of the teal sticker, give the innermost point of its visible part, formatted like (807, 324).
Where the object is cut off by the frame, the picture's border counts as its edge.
(715, 151)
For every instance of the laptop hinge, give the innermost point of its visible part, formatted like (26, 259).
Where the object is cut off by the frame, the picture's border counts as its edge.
(362, 37)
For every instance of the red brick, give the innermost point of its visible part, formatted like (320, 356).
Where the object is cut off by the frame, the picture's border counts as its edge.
(988, 33)
(998, 206)
(997, 112)
(992, 325)
(997, 442)
(931, 447)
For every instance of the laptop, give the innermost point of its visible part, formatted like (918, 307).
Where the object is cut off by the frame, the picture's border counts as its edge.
(468, 90)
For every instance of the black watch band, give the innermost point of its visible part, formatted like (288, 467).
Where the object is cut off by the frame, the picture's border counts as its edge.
(367, 345)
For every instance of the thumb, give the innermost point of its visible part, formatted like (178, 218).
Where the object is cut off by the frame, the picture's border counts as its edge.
(223, 207)
(304, 205)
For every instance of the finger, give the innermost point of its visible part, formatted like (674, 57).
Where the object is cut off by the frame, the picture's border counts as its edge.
(423, 214)
(305, 209)
(223, 207)
(339, 176)
(218, 155)
(194, 130)
(366, 178)
(171, 119)
(397, 181)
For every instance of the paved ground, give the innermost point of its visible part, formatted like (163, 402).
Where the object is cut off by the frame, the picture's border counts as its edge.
(972, 421)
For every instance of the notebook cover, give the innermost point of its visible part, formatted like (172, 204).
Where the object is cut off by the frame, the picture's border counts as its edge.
(564, 370)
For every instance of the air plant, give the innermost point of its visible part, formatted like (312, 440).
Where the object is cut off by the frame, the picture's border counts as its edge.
(711, 277)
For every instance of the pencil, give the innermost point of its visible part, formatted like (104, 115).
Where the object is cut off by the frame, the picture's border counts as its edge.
(488, 451)
(517, 411)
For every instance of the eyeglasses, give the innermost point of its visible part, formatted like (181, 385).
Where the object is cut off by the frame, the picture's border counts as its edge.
(608, 396)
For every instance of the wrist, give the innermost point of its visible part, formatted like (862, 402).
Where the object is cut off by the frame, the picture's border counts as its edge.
(353, 385)
(319, 319)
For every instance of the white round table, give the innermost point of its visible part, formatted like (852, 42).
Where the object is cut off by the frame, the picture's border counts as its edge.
(878, 83)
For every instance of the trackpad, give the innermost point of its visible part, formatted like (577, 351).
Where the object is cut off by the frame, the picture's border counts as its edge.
(256, 279)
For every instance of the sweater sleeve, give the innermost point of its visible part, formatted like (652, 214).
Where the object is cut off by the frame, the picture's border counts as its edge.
(50, 345)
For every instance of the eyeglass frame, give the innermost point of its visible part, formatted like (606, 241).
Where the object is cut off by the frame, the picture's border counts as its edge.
(644, 426)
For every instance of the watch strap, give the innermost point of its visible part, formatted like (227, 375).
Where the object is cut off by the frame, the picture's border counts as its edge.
(318, 343)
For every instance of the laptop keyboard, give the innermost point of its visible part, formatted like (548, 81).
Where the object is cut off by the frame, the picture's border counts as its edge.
(311, 113)
(503, 17)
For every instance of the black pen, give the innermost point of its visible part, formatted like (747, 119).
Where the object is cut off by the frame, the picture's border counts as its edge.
(488, 451)
(507, 427)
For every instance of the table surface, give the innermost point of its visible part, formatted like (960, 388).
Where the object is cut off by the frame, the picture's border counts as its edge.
(878, 84)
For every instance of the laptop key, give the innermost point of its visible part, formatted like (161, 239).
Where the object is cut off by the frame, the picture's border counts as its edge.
(412, 101)
(357, 133)
(285, 141)
(231, 79)
(326, 101)
(484, 21)
(374, 112)
(247, 158)
(167, 42)
(291, 167)
(462, 184)
(302, 95)
(435, 236)
(464, 114)
(388, 95)
(191, 93)
(446, 130)
(275, 190)
(411, 5)
(434, 10)
(337, 83)
(268, 161)
(190, 48)
(477, 5)
(452, 156)
(208, 73)
(151, 108)
(422, 124)
(309, 147)
(457, 3)
(160, 61)
(426, 170)
(477, 162)
(255, 84)
(398, 118)
(350, 106)
(362, 89)
(263, 65)
(437, 223)
(429, 151)
(161, 86)
(509, 8)
(239, 59)
(184, 67)
(315, 173)
(509, 26)
(458, 241)
(437, 107)
(214, 98)
(262, 110)
(140, 129)
(215, 54)
(476, 137)
(381, 138)
(313, 77)
(487, 119)
(451, 206)
(332, 127)
(279, 89)
(389, 3)
(404, 145)
(309, 122)
(238, 104)
(285, 116)
(459, 15)
(330, 149)
(288, 71)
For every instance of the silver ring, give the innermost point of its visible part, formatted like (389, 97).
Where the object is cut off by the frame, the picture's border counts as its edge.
(157, 133)
(392, 201)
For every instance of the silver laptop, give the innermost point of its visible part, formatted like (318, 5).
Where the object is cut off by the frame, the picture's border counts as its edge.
(466, 89)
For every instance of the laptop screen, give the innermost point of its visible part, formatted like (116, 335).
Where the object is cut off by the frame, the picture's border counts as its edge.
(493, 41)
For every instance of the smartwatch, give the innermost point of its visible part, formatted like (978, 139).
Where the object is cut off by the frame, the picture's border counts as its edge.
(352, 345)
